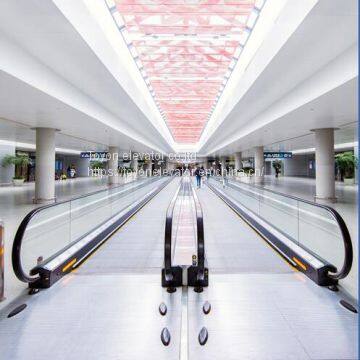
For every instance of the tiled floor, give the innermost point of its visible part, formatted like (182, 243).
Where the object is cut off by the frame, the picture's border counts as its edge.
(268, 316)
(107, 316)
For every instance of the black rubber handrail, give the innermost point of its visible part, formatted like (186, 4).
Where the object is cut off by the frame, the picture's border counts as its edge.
(169, 276)
(17, 244)
(200, 238)
(348, 249)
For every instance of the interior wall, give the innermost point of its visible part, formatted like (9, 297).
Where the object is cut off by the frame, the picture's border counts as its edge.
(6, 173)
(300, 165)
(81, 164)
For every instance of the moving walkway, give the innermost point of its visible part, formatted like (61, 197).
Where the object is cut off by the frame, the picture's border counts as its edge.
(256, 303)
(107, 308)
(265, 306)
(311, 237)
(67, 233)
(184, 251)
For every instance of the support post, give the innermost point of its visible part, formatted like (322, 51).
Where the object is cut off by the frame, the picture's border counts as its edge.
(113, 164)
(238, 162)
(325, 165)
(223, 165)
(259, 164)
(45, 166)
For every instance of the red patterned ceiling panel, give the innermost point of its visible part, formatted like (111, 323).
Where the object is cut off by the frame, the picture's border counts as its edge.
(186, 51)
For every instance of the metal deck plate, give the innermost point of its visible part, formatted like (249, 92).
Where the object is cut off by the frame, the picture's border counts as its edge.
(271, 316)
(94, 317)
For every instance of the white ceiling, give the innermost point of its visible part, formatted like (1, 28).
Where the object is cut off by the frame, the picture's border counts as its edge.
(19, 133)
(335, 109)
(40, 29)
(74, 91)
(31, 108)
(307, 69)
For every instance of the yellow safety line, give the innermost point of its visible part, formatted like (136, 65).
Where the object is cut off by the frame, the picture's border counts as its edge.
(303, 266)
(69, 265)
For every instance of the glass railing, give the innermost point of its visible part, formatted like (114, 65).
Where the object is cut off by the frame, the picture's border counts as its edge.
(317, 228)
(47, 231)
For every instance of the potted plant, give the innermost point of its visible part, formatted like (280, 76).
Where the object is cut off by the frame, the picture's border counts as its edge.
(276, 164)
(96, 165)
(129, 174)
(246, 174)
(347, 163)
(19, 161)
(248, 170)
(18, 180)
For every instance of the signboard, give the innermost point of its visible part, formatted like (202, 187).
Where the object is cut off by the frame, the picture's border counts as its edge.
(277, 155)
(94, 155)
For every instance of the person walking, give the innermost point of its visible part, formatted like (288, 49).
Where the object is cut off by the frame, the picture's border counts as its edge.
(208, 173)
(224, 178)
(202, 174)
(198, 177)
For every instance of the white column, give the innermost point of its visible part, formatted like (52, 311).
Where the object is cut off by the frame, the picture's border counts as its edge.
(259, 164)
(168, 165)
(238, 163)
(164, 165)
(150, 167)
(206, 163)
(45, 166)
(223, 165)
(113, 164)
(145, 167)
(356, 153)
(135, 164)
(325, 165)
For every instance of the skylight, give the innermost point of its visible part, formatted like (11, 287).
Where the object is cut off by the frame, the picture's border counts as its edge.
(186, 51)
